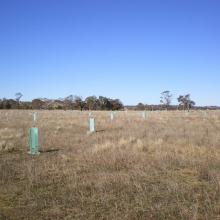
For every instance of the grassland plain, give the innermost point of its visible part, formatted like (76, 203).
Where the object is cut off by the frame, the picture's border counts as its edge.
(164, 167)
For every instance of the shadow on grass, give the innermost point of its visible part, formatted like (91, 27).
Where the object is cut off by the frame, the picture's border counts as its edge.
(98, 131)
(49, 150)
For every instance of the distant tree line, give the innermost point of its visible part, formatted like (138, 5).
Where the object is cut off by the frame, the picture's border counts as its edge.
(185, 103)
(70, 102)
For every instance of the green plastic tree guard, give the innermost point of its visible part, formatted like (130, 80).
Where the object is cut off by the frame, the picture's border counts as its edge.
(92, 125)
(33, 141)
(112, 116)
(34, 117)
(144, 115)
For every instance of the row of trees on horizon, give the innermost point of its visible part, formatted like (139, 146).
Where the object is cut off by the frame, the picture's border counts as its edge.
(72, 102)
(185, 102)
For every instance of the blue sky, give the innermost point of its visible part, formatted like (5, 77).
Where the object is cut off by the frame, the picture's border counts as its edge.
(127, 49)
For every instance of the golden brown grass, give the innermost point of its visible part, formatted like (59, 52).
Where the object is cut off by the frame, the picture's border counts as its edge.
(164, 167)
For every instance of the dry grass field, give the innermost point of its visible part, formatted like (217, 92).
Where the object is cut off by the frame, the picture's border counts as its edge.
(164, 167)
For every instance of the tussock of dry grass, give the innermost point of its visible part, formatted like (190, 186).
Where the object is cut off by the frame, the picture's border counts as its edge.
(164, 167)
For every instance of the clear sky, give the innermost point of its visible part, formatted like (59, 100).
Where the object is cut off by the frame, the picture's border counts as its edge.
(127, 49)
